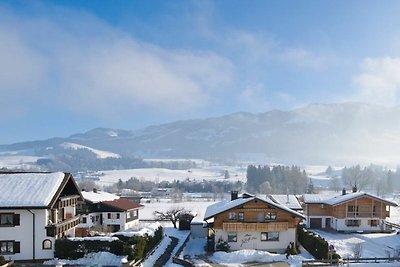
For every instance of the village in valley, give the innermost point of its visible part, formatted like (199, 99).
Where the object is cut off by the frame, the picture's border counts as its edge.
(53, 219)
(199, 133)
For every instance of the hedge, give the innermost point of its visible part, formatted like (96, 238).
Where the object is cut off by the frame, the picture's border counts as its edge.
(162, 260)
(313, 243)
(72, 250)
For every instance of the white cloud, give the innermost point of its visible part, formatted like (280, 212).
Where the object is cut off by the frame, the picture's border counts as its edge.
(379, 81)
(76, 60)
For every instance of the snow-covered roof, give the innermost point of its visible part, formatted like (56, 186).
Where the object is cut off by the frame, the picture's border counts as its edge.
(350, 196)
(98, 196)
(289, 201)
(28, 189)
(323, 199)
(225, 205)
(315, 198)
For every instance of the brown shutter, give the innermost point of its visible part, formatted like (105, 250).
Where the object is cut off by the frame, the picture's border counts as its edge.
(16, 219)
(17, 246)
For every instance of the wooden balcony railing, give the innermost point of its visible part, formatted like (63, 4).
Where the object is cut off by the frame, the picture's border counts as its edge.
(255, 226)
(67, 201)
(56, 229)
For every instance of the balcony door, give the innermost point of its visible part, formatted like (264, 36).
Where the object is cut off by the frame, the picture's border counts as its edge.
(260, 217)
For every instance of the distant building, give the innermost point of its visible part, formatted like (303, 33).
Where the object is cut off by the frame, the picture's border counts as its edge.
(35, 210)
(349, 212)
(106, 211)
(251, 222)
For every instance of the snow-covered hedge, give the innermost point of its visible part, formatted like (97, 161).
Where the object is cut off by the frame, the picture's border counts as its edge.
(314, 244)
(78, 248)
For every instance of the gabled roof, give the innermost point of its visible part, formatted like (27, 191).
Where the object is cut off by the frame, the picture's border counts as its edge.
(121, 204)
(351, 196)
(333, 201)
(226, 205)
(31, 189)
(98, 196)
(289, 201)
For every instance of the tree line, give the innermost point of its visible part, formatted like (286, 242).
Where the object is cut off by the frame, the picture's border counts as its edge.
(276, 179)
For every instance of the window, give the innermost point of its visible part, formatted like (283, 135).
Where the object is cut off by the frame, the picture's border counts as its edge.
(47, 244)
(240, 216)
(9, 219)
(374, 211)
(135, 213)
(352, 210)
(84, 220)
(232, 237)
(232, 216)
(109, 215)
(269, 236)
(270, 215)
(128, 215)
(117, 215)
(353, 223)
(9, 247)
(374, 223)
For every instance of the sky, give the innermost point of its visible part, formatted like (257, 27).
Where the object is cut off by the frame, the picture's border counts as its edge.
(71, 66)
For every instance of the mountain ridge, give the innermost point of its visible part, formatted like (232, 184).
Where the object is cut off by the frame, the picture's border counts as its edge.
(318, 133)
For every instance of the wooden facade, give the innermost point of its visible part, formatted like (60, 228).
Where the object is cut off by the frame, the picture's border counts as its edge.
(255, 212)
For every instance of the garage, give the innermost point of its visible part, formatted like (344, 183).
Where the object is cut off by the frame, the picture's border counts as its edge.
(315, 223)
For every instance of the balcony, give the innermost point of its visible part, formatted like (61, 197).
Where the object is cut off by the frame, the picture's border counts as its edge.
(255, 226)
(366, 214)
(56, 229)
(67, 201)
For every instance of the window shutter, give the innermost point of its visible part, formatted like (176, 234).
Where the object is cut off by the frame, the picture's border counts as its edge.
(16, 219)
(17, 246)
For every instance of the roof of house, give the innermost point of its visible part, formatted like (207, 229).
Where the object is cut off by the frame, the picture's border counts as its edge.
(289, 201)
(322, 199)
(350, 196)
(24, 189)
(226, 205)
(121, 204)
(98, 196)
(315, 198)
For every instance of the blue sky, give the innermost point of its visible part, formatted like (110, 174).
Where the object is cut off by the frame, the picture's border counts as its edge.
(70, 66)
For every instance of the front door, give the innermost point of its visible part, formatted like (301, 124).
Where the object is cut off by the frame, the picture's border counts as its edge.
(328, 223)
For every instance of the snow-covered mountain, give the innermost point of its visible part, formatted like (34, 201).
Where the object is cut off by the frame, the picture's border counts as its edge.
(318, 133)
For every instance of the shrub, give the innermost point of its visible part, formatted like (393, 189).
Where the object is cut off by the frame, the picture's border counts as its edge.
(2, 260)
(222, 246)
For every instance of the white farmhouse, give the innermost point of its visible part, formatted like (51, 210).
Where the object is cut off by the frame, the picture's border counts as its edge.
(36, 209)
(107, 211)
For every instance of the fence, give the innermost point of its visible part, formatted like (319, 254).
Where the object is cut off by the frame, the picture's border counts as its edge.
(345, 261)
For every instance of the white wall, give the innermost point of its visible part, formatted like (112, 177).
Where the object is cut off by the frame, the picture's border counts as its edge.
(113, 220)
(24, 234)
(341, 226)
(252, 240)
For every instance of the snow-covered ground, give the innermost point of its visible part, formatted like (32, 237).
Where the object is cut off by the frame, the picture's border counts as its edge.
(161, 174)
(97, 259)
(372, 245)
(17, 162)
(198, 207)
(101, 154)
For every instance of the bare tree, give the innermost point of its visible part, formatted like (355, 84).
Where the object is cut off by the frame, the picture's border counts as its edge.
(87, 184)
(170, 215)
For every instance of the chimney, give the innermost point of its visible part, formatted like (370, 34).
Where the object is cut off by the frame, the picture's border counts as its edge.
(344, 191)
(354, 189)
(94, 190)
(234, 195)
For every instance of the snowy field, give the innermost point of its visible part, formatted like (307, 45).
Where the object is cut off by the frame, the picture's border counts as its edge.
(160, 174)
(18, 162)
